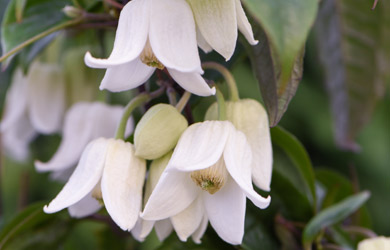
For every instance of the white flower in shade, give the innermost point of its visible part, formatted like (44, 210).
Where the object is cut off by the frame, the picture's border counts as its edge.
(153, 34)
(217, 22)
(177, 222)
(377, 243)
(210, 171)
(84, 122)
(250, 117)
(109, 171)
(34, 104)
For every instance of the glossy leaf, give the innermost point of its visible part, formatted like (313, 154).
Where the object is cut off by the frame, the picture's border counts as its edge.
(352, 43)
(332, 215)
(298, 155)
(277, 58)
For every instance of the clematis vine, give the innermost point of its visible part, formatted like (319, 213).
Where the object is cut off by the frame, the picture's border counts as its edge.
(153, 34)
(210, 170)
(34, 104)
(108, 171)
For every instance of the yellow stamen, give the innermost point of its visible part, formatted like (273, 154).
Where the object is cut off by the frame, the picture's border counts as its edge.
(147, 56)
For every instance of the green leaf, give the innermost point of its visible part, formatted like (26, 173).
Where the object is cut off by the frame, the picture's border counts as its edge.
(298, 155)
(352, 42)
(332, 215)
(284, 29)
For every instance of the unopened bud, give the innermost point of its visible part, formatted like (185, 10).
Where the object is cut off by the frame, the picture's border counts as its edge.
(72, 12)
(212, 178)
(158, 131)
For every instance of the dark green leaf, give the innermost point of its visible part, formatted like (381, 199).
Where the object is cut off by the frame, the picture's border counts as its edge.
(278, 57)
(350, 48)
(332, 215)
(298, 155)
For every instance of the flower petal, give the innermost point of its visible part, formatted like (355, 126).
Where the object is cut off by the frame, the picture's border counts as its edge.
(243, 24)
(198, 234)
(142, 229)
(226, 212)
(200, 146)
(126, 76)
(85, 177)
(86, 206)
(131, 36)
(77, 133)
(122, 183)
(174, 192)
(192, 82)
(202, 43)
(163, 229)
(46, 97)
(216, 19)
(187, 222)
(238, 161)
(172, 35)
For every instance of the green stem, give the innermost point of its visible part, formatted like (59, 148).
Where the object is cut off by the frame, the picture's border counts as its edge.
(171, 93)
(234, 96)
(183, 101)
(39, 36)
(221, 106)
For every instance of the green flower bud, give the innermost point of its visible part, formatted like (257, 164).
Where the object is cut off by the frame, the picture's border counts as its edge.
(158, 131)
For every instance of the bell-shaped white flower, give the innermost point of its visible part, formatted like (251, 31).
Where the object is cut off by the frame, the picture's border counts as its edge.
(217, 22)
(376, 243)
(108, 170)
(84, 122)
(210, 171)
(179, 222)
(34, 104)
(150, 34)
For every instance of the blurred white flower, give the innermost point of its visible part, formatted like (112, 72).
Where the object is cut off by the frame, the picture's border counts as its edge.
(153, 34)
(109, 171)
(210, 174)
(34, 104)
(84, 122)
(217, 22)
(377, 243)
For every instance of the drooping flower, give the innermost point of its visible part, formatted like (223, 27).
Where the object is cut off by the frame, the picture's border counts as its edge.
(84, 122)
(34, 104)
(250, 117)
(153, 34)
(210, 170)
(217, 22)
(109, 171)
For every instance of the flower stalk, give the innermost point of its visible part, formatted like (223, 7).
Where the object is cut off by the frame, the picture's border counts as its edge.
(221, 106)
(183, 101)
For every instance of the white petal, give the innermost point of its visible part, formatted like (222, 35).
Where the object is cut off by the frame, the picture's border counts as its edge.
(122, 183)
(201, 145)
(238, 160)
(136, 232)
(174, 192)
(243, 24)
(131, 36)
(226, 212)
(192, 82)
(202, 43)
(187, 222)
(77, 133)
(126, 76)
(87, 174)
(46, 87)
(15, 102)
(85, 207)
(172, 35)
(198, 234)
(217, 21)
(163, 229)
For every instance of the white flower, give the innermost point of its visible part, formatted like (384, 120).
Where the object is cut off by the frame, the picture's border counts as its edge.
(108, 170)
(177, 222)
(210, 170)
(155, 33)
(217, 22)
(377, 243)
(84, 122)
(34, 104)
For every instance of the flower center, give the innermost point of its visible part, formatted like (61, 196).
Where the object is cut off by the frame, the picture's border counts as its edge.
(147, 56)
(97, 193)
(212, 178)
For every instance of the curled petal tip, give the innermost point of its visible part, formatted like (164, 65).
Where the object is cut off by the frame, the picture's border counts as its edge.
(213, 90)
